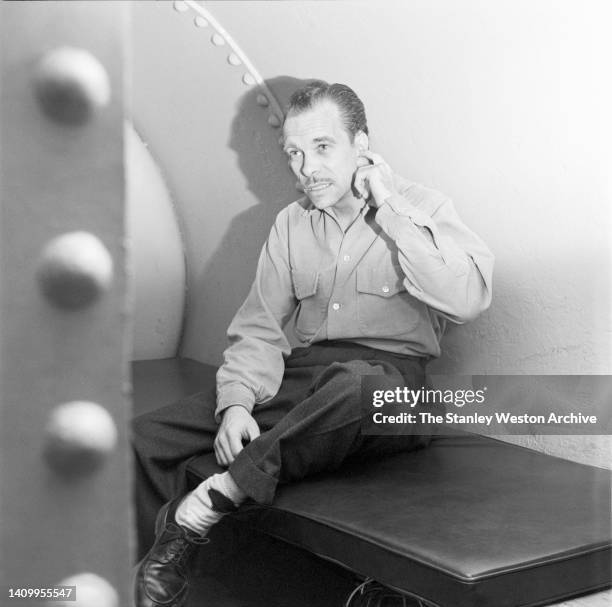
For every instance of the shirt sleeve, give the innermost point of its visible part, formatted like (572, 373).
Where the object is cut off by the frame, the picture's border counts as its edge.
(254, 360)
(447, 266)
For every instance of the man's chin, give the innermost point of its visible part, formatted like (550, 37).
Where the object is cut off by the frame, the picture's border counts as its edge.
(322, 202)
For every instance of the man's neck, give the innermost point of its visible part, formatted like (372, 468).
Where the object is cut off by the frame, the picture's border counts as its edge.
(346, 211)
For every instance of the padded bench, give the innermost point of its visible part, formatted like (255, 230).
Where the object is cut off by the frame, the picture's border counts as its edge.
(468, 522)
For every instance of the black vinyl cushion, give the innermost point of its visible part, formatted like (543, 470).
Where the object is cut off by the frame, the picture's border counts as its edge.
(470, 521)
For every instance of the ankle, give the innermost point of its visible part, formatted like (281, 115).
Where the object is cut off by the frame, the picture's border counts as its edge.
(226, 485)
(212, 499)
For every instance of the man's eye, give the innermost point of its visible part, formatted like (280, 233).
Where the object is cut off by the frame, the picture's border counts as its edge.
(293, 154)
(323, 147)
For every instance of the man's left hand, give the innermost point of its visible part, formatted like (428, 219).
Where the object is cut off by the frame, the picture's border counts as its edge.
(374, 180)
(237, 425)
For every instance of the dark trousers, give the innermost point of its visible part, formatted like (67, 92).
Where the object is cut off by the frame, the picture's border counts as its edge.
(312, 424)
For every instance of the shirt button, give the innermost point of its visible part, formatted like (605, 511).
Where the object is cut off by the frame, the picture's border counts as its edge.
(385, 289)
(347, 258)
(336, 306)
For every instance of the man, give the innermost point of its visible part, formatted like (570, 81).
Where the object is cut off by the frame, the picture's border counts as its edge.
(375, 266)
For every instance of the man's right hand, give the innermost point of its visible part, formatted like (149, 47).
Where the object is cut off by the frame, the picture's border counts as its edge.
(237, 424)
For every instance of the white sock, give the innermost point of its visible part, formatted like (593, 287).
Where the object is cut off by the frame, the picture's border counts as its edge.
(196, 512)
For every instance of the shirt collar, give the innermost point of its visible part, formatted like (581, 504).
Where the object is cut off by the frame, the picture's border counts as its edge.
(309, 208)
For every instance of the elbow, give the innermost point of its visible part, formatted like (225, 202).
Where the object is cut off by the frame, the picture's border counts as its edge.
(471, 307)
(477, 296)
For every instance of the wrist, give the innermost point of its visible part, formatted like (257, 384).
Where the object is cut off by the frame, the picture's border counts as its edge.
(235, 409)
(380, 196)
(233, 395)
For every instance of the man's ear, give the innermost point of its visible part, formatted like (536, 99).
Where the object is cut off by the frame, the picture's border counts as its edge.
(362, 141)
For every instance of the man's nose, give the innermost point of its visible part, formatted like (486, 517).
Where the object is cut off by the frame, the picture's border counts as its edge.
(309, 166)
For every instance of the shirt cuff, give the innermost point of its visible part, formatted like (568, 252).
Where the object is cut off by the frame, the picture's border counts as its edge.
(234, 394)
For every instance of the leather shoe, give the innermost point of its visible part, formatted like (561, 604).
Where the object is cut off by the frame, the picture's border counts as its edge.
(162, 575)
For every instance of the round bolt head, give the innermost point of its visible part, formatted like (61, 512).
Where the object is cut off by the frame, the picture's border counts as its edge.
(74, 270)
(91, 591)
(79, 437)
(71, 84)
(248, 79)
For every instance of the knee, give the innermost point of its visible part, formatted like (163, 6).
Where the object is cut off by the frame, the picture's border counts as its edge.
(139, 425)
(345, 373)
(345, 378)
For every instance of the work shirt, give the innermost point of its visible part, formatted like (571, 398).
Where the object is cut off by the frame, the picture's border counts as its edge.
(390, 281)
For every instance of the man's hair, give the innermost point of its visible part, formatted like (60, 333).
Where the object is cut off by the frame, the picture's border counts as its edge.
(351, 107)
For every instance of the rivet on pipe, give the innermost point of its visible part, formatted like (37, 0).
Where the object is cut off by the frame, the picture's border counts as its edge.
(79, 437)
(91, 589)
(217, 39)
(70, 85)
(248, 79)
(180, 6)
(274, 120)
(233, 59)
(200, 21)
(263, 100)
(74, 270)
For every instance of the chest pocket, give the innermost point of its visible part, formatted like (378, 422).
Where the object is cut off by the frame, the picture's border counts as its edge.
(311, 309)
(384, 307)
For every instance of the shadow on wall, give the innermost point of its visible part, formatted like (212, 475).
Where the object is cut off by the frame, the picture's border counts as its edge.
(257, 163)
(221, 287)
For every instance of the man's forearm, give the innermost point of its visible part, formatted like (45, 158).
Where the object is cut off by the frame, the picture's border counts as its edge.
(446, 265)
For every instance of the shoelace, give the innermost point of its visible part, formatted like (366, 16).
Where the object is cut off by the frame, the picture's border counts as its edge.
(362, 589)
(178, 547)
(359, 590)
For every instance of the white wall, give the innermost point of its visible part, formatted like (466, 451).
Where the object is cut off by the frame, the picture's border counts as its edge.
(503, 105)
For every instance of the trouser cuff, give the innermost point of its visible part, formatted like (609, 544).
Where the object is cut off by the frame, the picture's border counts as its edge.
(258, 485)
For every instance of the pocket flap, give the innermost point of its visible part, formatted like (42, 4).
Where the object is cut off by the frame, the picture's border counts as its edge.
(304, 283)
(384, 283)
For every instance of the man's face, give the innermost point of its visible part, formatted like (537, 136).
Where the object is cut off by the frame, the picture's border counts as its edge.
(321, 154)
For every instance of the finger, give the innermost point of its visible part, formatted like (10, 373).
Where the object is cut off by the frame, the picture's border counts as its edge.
(253, 431)
(359, 189)
(370, 168)
(362, 179)
(234, 447)
(373, 157)
(376, 160)
(220, 456)
(361, 176)
(224, 450)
